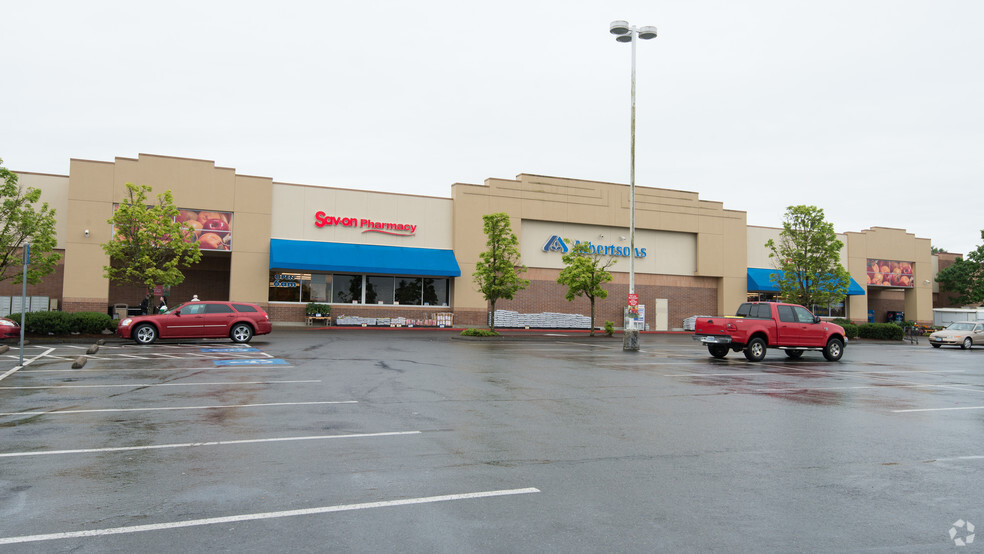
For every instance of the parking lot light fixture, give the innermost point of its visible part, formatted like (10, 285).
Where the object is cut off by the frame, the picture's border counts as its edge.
(628, 33)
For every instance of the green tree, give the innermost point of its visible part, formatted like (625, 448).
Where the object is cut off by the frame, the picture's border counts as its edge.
(23, 220)
(584, 274)
(149, 247)
(965, 277)
(497, 271)
(808, 254)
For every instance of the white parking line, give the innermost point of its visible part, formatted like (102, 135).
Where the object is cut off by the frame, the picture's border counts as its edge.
(859, 387)
(197, 444)
(956, 459)
(938, 409)
(136, 385)
(16, 369)
(265, 515)
(238, 369)
(164, 409)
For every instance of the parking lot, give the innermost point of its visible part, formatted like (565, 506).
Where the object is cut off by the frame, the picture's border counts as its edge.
(420, 441)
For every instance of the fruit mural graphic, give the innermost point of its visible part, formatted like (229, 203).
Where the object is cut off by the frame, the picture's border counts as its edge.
(212, 230)
(889, 273)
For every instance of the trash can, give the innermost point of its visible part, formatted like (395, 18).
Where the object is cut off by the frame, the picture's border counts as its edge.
(119, 311)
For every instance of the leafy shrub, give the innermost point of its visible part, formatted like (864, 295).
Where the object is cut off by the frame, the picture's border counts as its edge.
(880, 331)
(47, 323)
(91, 322)
(479, 333)
(63, 323)
(313, 308)
(609, 328)
(850, 329)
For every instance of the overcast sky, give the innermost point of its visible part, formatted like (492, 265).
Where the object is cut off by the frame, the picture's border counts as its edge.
(871, 110)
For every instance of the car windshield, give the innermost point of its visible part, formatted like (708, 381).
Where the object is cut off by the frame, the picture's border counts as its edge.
(960, 326)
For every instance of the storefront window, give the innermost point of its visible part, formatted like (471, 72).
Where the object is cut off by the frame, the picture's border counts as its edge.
(305, 287)
(344, 289)
(285, 287)
(379, 290)
(408, 290)
(829, 310)
(347, 289)
(320, 287)
(435, 292)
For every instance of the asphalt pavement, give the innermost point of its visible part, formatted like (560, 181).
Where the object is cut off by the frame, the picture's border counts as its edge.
(311, 440)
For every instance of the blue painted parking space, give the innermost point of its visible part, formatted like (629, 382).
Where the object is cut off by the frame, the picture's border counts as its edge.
(266, 361)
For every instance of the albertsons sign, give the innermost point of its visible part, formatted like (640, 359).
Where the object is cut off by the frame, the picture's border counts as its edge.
(556, 243)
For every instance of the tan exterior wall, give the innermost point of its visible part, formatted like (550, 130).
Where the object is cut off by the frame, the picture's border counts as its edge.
(195, 184)
(54, 191)
(666, 252)
(892, 244)
(716, 244)
(296, 206)
(697, 251)
(758, 254)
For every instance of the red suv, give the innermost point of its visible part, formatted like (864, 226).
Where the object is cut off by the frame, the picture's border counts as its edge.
(208, 319)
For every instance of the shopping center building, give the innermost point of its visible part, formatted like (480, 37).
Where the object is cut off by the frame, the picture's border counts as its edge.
(408, 257)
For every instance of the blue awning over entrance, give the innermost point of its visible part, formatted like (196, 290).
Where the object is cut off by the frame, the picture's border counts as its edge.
(338, 257)
(760, 280)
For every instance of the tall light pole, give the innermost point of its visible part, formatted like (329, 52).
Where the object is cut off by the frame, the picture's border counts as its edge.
(628, 33)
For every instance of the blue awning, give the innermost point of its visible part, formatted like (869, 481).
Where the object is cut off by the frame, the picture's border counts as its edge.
(338, 257)
(760, 280)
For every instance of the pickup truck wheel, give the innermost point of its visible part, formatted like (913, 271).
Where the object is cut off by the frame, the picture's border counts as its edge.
(719, 351)
(794, 354)
(755, 350)
(834, 350)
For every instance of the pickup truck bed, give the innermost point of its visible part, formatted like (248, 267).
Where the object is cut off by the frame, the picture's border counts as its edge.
(762, 325)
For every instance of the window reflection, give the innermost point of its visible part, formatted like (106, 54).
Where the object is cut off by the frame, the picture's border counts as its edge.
(337, 288)
(408, 290)
(347, 288)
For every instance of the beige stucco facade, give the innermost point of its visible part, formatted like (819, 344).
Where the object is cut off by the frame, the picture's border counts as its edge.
(699, 238)
(893, 244)
(297, 205)
(876, 243)
(692, 254)
(94, 187)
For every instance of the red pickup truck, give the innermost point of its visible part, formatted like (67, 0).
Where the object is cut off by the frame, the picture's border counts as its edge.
(761, 325)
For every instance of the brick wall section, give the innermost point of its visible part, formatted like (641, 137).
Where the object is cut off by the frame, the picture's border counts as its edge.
(884, 301)
(50, 285)
(686, 295)
(279, 312)
(946, 299)
(209, 279)
(84, 305)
